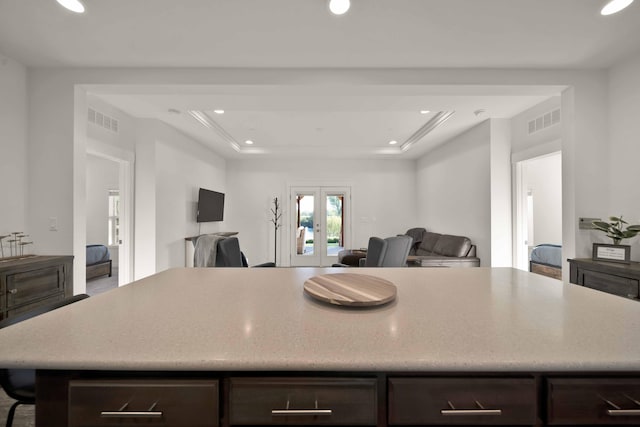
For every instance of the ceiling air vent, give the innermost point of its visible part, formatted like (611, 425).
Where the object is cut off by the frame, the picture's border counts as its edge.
(99, 119)
(544, 121)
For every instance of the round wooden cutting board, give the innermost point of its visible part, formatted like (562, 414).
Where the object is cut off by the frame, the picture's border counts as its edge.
(349, 289)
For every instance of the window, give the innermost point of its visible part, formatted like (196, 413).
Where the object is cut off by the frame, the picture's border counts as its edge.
(114, 217)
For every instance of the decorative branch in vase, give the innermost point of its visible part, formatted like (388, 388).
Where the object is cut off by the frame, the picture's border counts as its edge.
(276, 215)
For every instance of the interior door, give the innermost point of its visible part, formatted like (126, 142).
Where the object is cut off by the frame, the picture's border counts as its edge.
(320, 225)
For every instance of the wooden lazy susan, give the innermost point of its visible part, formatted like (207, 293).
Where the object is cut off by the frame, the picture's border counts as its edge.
(349, 289)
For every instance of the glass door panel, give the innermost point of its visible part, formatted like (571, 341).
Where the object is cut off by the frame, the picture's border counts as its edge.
(319, 225)
(305, 244)
(335, 221)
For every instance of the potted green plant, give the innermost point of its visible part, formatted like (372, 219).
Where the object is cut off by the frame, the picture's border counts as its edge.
(617, 229)
(614, 229)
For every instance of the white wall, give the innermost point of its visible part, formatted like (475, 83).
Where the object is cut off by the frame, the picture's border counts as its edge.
(13, 148)
(454, 187)
(125, 138)
(543, 176)
(55, 141)
(624, 146)
(500, 166)
(521, 140)
(145, 199)
(182, 167)
(383, 197)
(102, 176)
(585, 150)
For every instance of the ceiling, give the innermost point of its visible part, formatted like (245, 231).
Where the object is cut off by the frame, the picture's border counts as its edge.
(322, 121)
(303, 34)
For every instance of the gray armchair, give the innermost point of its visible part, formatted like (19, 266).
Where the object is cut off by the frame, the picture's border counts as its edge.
(229, 254)
(389, 252)
(376, 252)
(398, 248)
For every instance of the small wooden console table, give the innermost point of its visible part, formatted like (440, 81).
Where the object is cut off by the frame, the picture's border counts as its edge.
(612, 277)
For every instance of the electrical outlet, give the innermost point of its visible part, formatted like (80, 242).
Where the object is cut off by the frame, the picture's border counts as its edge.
(53, 223)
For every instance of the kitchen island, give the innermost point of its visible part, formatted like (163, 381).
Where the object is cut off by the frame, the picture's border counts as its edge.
(458, 346)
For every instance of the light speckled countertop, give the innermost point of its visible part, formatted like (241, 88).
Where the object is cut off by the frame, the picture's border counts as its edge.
(463, 320)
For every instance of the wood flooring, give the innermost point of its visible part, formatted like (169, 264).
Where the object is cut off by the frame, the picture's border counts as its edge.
(25, 414)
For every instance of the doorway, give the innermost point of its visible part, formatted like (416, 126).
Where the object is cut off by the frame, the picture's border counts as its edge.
(320, 225)
(538, 184)
(109, 207)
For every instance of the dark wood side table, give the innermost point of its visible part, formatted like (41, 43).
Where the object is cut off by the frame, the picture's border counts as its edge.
(31, 281)
(614, 278)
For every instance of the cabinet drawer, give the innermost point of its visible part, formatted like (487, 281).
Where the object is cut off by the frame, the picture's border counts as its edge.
(28, 286)
(462, 401)
(589, 401)
(189, 403)
(612, 284)
(303, 401)
(26, 307)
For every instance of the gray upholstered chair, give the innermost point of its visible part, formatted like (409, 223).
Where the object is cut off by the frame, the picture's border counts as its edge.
(229, 254)
(398, 248)
(376, 251)
(20, 384)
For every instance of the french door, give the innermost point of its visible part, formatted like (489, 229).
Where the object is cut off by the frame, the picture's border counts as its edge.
(320, 224)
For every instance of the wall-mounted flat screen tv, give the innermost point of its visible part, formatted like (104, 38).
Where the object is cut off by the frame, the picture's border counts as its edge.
(210, 206)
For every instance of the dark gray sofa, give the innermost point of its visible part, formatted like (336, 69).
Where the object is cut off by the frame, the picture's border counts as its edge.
(441, 250)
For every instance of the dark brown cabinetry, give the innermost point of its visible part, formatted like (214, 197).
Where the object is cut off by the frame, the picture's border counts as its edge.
(593, 401)
(226, 399)
(29, 282)
(462, 401)
(303, 401)
(165, 402)
(614, 278)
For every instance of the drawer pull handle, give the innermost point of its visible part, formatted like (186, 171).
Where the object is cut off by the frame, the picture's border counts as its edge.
(131, 414)
(13, 291)
(301, 412)
(623, 412)
(121, 413)
(469, 412)
(618, 411)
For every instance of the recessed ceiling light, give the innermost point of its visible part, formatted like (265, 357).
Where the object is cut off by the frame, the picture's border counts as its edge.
(72, 5)
(339, 7)
(248, 142)
(615, 6)
(424, 111)
(218, 111)
(394, 142)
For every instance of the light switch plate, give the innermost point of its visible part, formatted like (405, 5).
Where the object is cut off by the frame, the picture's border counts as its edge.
(586, 223)
(53, 223)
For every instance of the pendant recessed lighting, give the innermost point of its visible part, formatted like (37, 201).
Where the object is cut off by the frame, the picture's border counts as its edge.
(424, 111)
(248, 142)
(218, 111)
(615, 6)
(339, 7)
(72, 5)
(394, 142)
